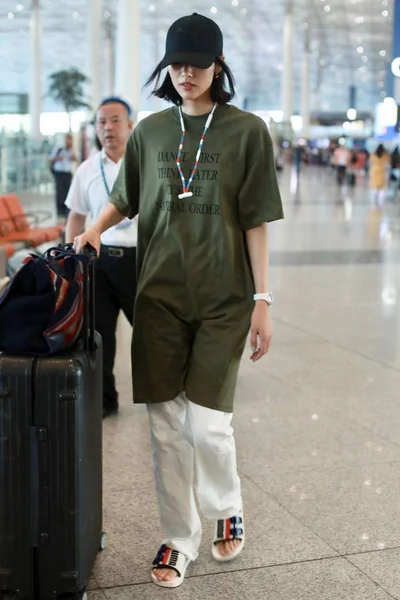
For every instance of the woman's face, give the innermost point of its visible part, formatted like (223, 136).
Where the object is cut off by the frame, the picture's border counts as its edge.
(192, 83)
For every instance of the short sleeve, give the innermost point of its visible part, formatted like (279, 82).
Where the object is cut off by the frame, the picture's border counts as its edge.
(259, 197)
(126, 190)
(77, 200)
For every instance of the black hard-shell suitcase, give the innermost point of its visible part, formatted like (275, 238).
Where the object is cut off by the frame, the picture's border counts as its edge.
(51, 468)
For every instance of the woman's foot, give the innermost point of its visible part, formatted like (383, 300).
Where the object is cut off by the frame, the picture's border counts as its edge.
(169, 567)
(229, 539)
(165, 574)
(228, 547)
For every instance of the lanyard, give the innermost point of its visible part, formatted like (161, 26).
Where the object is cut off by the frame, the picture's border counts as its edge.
(186, 186)
(125, 222)
(104, 178)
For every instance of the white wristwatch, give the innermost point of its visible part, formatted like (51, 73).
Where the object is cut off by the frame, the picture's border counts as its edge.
(268, 298)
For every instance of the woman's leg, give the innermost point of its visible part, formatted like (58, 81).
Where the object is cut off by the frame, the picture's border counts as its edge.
(217, 482)
(173, 469)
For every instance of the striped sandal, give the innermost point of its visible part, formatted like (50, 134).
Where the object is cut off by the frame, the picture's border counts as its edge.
(167, 558)
(226, 530)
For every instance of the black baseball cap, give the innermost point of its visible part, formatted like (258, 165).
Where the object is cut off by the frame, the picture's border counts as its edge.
(194, 40)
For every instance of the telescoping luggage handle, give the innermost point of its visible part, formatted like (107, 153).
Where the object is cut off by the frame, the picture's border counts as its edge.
(87, 257)
(89, 317)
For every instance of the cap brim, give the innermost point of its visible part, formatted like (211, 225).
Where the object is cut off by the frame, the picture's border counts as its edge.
(201, 61)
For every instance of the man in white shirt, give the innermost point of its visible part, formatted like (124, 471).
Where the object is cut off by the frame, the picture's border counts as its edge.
(62, 162)
(341, 158)
(116, 265)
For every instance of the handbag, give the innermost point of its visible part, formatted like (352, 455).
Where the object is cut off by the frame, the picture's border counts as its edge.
(41, 308)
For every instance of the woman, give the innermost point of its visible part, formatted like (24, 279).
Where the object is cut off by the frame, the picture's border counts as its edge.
(201, 176)
(378, 168)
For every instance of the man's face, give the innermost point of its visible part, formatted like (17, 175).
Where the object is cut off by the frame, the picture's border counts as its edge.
(68, 141)
(113, 126)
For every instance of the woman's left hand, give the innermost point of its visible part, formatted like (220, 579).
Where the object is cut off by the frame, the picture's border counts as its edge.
(260, 331)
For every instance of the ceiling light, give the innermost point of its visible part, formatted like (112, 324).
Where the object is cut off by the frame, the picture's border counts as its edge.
(19, 7)
(244, 11)
(382, 53)
(385, 13)
(327, 8)
(214, 10)
(75, 14)
(152, 8)
(235, 2)
(364, 58)
(359, 20)
(360, 49)
(107, 14)
(385, 3)
(11, 15)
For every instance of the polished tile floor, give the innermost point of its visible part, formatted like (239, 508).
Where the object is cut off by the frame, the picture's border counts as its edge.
(317, 423)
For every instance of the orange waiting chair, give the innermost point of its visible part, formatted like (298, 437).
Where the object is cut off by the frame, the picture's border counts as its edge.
(21, 228)
(9, 249)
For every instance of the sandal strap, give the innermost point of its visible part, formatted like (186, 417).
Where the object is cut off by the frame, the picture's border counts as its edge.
(167, 558)
(229, 529)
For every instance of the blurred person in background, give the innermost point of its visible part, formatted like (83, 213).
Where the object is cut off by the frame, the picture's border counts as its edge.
(115, 279)
(395, 173)
(341, 159)
(202, 177)
(62, 163)
(379, 163)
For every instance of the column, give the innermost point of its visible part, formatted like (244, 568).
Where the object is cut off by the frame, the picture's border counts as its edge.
(109, 60)
(287, 74)
(35, 87)
(396, 47)
(95, 30)
(128, 80)
(305, 83)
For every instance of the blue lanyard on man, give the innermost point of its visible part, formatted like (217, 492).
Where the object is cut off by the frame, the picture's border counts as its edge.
(126, 222)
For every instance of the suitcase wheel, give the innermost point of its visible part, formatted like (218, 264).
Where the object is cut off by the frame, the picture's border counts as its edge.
(103, 542)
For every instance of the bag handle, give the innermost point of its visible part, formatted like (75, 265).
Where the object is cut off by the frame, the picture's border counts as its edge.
(87, 253)
(87, 257)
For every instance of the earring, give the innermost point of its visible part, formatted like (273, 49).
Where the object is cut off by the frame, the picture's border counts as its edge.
(216, 75)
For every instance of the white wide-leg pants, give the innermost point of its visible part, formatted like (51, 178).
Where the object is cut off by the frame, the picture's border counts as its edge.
(193, 448)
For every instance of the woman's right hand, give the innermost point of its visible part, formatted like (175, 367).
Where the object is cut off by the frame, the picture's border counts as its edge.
(91, 236)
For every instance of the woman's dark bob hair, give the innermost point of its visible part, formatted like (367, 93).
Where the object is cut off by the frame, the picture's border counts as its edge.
(219, 93)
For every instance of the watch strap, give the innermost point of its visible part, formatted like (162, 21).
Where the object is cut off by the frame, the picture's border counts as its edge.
(267, 297)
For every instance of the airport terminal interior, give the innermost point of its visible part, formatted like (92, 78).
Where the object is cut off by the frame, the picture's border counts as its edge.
(317, 420)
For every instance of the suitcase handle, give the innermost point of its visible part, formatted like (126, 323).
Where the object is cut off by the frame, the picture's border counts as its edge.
(89, 317)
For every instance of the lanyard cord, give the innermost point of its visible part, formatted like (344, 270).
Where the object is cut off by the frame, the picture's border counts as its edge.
(104, 177)
(125, 222)
(186, 186)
